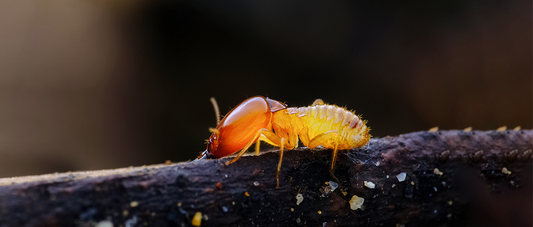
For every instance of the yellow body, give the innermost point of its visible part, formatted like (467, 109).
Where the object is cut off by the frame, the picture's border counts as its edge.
(318, 124)
(310, 122)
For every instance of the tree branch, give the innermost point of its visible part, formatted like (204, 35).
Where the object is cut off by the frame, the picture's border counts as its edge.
(452, 178)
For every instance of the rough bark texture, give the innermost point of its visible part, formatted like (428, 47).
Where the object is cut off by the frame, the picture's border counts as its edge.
(452, 178)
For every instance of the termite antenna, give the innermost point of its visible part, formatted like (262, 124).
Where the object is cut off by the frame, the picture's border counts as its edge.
(215, 106)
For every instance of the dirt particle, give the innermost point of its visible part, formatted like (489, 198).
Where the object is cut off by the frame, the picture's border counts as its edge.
(134, 204)
(437, 172)
(477, 156)
(197, 219)
(511, 156)
(356, 202)
(333, 185)
(104, 224)
(370, 184)
(299, 198)
(401, 177)
(506, 171)
(344, 192)
(443, 156)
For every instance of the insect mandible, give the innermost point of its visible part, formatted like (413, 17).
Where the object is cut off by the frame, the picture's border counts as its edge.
(259, 119)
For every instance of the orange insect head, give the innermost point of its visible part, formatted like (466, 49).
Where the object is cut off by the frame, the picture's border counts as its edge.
(240, 125)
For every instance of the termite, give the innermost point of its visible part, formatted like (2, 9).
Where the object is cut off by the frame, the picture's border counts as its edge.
(259, 119)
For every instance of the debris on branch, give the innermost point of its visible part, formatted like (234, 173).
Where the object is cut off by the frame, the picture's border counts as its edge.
(429, 178)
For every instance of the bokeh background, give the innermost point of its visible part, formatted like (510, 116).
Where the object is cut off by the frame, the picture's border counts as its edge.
(105, 84)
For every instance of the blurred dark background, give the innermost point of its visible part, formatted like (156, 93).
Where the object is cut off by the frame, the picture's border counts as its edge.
(105, 84)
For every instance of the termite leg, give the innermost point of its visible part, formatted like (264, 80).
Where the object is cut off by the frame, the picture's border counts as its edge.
(261, 135)
(334, 158)
(279, 163)
(318, 102)
(257, 144)
(317, 140)
(274, 139)
(264, 138)
(270, 137)
(242, 151)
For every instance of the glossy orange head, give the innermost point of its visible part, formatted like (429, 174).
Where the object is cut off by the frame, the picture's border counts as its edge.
(240, 125)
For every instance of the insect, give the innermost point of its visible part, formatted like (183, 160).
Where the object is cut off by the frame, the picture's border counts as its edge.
(259, 119)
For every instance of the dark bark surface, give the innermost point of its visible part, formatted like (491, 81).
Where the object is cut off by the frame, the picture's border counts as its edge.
(452, 178)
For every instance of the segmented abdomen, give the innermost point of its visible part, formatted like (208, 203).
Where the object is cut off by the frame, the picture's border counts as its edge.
(311, 121)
